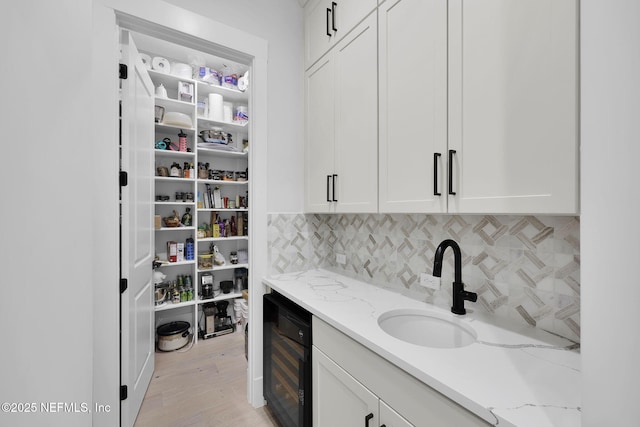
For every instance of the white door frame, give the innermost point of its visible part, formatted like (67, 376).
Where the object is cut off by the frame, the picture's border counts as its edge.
(204, 34)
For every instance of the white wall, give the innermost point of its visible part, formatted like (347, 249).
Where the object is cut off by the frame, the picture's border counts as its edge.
(280, 22)
(46, 218)
(610, 226)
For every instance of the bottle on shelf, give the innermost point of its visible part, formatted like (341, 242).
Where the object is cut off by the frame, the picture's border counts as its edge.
(189, 249)
(176, 170)
(182, 141)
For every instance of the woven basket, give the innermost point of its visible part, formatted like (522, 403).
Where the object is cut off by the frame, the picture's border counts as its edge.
(172, 221)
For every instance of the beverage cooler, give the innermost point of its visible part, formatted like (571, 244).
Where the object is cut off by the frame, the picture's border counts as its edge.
(287, 360)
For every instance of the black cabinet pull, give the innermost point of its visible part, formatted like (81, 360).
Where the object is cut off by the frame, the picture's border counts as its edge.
(367, 419)
(333, 15)
(451, 153)
(436, 157)
(328, 179)
(335, 177)
(328, 13)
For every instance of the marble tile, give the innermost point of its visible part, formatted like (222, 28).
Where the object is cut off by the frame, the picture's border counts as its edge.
(525, 268)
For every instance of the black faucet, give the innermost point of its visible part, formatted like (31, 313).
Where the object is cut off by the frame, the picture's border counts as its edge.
(459, 294)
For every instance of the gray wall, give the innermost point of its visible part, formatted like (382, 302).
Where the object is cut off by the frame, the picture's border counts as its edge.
(280, 22)
(610, 205)
(46, 220)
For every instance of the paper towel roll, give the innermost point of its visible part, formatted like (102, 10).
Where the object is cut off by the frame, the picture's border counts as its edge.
(216, 107)
(227, 112)
(146, 60)
(160, 64)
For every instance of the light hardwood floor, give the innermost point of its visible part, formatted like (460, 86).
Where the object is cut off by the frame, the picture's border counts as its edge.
(201, 387)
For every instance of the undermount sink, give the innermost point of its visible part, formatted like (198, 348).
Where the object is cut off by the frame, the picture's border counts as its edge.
(427, 328)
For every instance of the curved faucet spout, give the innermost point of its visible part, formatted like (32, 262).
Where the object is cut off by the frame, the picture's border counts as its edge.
(459, 294)
(457, 259)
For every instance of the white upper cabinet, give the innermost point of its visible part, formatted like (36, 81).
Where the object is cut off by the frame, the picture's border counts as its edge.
(413, 105)
(477, 106)
(319, 132)
(341, 164)
(513, 106)
(327, 22)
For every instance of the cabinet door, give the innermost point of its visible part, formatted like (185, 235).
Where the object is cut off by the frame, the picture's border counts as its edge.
(338, 399)
(356, 118)
(513, 106)
(413, 105)
(319, 128)
(319, 36)
(346, 14)
(326, 22)
(390, 418)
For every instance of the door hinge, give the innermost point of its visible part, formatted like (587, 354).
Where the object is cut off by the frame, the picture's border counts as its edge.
(124, 284)
(124, 392)
(123, 72)
(124, 179)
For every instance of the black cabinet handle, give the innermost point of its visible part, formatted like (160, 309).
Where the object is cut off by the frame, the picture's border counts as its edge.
(333, 15)
(436, 157)
(367, 419)
(328, 13)
(335, 177)
(451, 153)
(328, 179)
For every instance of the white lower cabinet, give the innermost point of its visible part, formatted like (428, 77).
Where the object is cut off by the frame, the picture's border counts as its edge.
(353, 386)
(338, 399)
(390, 418)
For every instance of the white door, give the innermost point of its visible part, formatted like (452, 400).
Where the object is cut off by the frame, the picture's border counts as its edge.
(356, 119)
(137, 245)
(319, 128)
(513, 106)
(338, 399)
(413, 105)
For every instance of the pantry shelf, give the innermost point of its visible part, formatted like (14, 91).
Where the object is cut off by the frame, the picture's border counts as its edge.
(222, 239)
(165, 263)
(223, 267)
(220, 297)
(170, 306)
(182, 193)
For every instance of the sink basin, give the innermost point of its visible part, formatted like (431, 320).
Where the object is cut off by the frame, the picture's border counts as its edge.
(427, 328)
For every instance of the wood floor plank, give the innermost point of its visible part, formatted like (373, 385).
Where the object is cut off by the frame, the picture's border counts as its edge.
(202, 386)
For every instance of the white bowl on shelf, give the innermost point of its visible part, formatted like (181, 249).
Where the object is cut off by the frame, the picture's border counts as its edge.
(177, 119)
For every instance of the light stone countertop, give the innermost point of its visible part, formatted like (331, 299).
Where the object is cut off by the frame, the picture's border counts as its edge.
(510, 376)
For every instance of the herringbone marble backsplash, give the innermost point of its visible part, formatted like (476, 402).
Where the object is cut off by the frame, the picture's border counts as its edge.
(525, 268)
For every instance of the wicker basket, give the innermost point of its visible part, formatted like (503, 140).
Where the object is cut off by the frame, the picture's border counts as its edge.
(172, 221)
